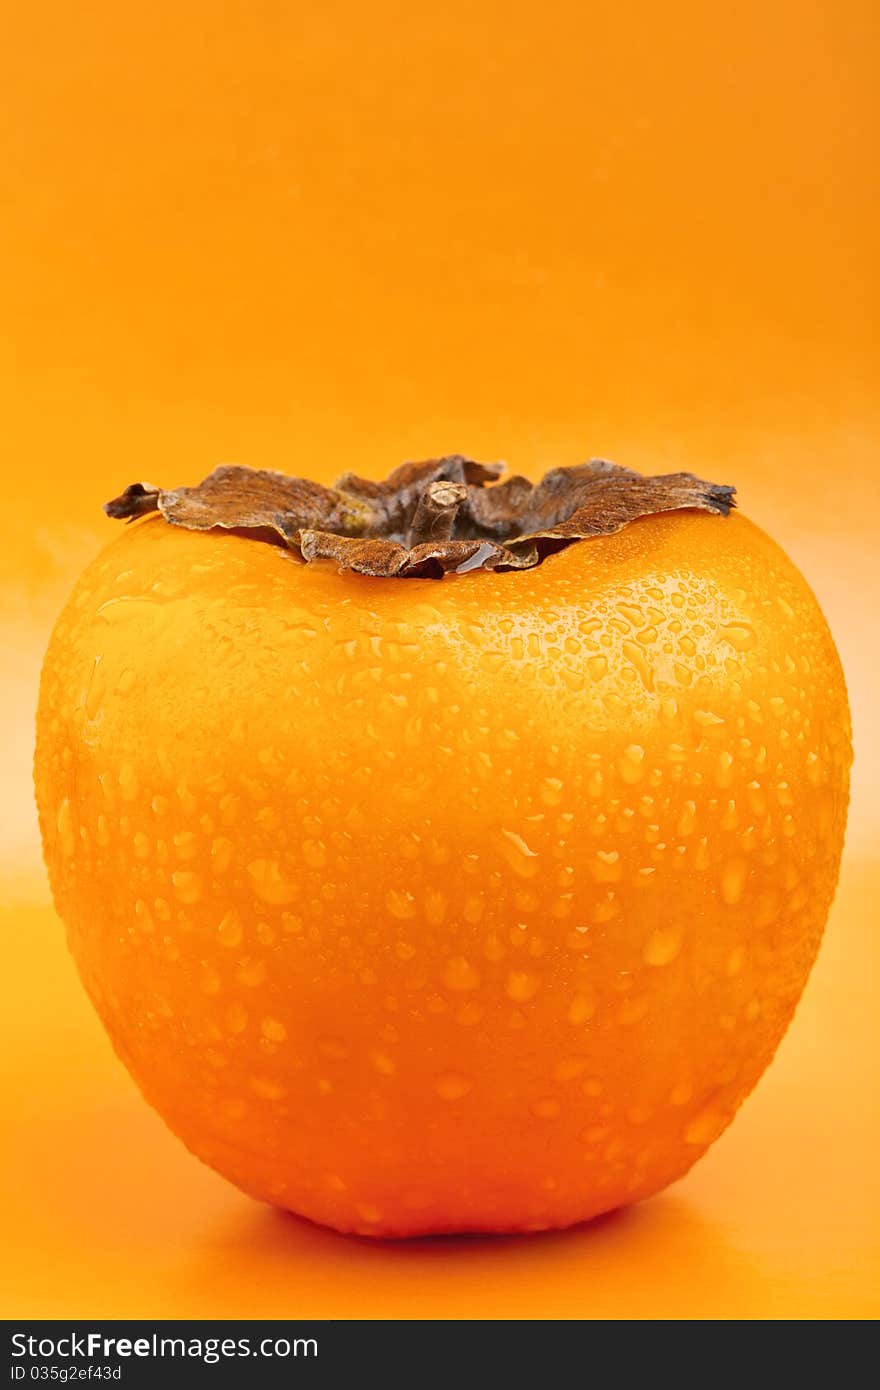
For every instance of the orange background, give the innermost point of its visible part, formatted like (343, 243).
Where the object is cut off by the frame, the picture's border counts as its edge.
(330, 237)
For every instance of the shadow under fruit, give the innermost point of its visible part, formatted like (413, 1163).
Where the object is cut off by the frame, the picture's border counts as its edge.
(422, 905)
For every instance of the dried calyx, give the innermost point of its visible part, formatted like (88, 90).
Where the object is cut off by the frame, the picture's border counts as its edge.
(426, 519)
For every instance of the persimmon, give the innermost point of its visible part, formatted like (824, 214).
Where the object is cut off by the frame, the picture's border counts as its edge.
(473, 903)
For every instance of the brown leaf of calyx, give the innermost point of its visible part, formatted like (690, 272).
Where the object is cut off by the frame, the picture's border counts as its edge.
(445, 515)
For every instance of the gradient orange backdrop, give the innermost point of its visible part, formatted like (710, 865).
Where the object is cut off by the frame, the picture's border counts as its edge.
(333, 236)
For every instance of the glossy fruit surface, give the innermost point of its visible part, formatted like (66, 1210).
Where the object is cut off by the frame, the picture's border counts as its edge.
(430, 905)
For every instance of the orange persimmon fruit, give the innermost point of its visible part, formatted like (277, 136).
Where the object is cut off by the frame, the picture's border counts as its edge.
(473, 904)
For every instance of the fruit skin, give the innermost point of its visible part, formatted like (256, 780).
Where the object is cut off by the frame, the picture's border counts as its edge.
(420, 906)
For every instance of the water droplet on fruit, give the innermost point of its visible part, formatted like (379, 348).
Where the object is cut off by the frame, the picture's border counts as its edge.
(631, 765)
(606, 909)
(435, 908)
(186, 844)
(739, 635)
(707, 718)
(669, 708)
(468, 1014)
(473, 907)
(236, 1017)
(270, 883)
(221, 854)
(382, 1063)
(400, 904)
(518, 855)
(314, 852)
(733, 881)
(267, 1089)
(209, 980)
(64, 823)
(368, 1212)
(452, 1085)
(522, 985)
(187, 886)
(735, 961)
(702, 858)
(230, 930)
(128, 782)
(251, 972)
(551, 791)
(547, 1108)
(640, 664)
(706, 1125)
(724, 769)
(459, 974)
(638, 1114)
(144, 917)
(606, 867)
(634, 1010)
(662, 946)
(631, 612)
(581, 1009)
(569, 1068)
